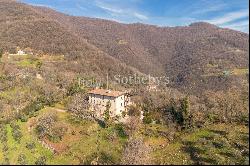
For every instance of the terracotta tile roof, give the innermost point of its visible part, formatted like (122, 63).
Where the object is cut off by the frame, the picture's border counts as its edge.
(105, 92)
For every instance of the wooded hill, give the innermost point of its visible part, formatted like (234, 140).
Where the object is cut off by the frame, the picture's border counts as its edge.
(195, 57)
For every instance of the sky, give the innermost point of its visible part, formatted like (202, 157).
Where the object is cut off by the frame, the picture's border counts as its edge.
(233, 14)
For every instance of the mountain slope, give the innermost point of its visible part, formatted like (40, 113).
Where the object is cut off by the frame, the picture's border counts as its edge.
(23, 27)
(194, 57)
(185, 54)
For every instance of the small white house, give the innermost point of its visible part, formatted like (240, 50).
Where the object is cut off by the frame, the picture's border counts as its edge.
(20, 52)
(99, 99)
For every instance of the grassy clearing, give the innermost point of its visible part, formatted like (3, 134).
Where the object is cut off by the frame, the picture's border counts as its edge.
(216, 144)
(209, 65)
(154, 134)
(62, 104)
(15, 149)
(33, 63)
(54, 58)
(29, 61)
(83, 140)
(122, 42)
(14, 92)
(1, 153)
(235, 72)
(240, 71)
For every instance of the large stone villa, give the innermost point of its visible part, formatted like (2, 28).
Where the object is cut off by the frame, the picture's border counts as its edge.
(100, 98)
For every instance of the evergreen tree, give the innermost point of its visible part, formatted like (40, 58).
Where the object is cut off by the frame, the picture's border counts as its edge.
(186, 117)
(107, 117)
(1, 53)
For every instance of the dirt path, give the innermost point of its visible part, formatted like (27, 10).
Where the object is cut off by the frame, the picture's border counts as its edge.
(59, 110)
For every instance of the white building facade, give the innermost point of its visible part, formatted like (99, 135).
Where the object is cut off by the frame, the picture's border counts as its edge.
(100, 100)
(20, 52)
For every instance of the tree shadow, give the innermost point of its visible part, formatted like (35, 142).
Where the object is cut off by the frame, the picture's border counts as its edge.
(208, 137)
(218, 145)
(244, 137)
(223, 133)
(241, 147)
(100, 122)
(196, 154)
(228, 154)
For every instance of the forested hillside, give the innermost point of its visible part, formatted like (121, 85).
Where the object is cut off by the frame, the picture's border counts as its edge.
(197, 114)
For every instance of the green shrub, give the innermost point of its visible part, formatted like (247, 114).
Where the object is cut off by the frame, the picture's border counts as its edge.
(73, 89)
(124, 114)
(1, 53)
(16, 132)
(45, 124)
(5, 148)
(147, 119)
(41, 160)
(30, 146)
(39, 64)
(24, 118)
(22, 159)
(120, 130)
(101, 158)
(48, 126)
(3, 134)
(39, 104)
(6, 161)
(57, 132)
(213, 118)
(134, 111)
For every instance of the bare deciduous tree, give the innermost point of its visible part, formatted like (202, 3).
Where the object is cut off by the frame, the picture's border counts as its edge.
(79, 107)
